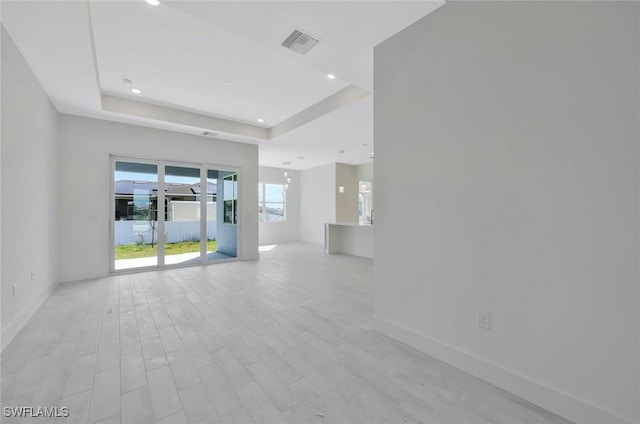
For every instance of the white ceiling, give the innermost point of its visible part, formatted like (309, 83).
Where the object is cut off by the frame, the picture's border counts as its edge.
(218, 66)
(198, 58)
(321, 140)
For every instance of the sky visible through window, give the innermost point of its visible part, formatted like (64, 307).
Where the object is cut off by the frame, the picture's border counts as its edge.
(271, 202)
(274, 193)
(140, 176)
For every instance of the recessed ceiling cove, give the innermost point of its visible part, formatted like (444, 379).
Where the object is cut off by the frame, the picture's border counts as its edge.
(181, 61)
(218, 67)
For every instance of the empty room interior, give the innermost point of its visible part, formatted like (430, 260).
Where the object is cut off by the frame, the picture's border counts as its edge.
(320, 212)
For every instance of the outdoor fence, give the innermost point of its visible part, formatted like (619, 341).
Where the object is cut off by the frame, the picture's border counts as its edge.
(129, 232)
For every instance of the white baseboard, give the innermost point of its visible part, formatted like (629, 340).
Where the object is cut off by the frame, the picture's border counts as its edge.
(553, 400)
(10, 331)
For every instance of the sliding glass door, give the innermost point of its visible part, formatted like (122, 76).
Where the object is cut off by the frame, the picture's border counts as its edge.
(170, 214)
(182, 232)
(136, 204)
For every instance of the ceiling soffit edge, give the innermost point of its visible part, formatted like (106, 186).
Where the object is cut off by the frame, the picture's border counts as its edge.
(165, 114)
(342, 98)
(177, 116)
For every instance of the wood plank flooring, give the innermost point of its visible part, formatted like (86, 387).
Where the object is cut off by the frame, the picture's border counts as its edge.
(286, 339)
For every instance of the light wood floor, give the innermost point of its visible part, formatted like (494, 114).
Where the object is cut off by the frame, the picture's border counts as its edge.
(286, 339)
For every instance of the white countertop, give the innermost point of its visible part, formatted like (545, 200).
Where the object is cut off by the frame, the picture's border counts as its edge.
(349, 224)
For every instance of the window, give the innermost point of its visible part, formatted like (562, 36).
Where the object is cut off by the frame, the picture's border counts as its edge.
(230, 196)
(271, 204)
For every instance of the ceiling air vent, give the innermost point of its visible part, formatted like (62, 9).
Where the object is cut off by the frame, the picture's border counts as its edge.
(299, 42)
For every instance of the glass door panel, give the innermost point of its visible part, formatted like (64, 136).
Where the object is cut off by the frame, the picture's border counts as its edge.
(135, 228)
(183, 211)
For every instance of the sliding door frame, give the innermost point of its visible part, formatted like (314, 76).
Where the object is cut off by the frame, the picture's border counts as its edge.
(112, 211)
(203, 167)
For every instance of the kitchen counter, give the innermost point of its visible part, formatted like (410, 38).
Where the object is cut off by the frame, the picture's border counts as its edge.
(348, 238)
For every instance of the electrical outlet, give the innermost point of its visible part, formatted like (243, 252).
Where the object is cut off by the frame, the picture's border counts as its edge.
(484, 320)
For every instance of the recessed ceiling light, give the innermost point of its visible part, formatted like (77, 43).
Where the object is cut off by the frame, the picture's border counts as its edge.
(286, 163)
(260, 120)
(153, 2)
(341, 151)
(331, 76)
(300, 157)
(364, 144)
(126, 81)
(136, 91)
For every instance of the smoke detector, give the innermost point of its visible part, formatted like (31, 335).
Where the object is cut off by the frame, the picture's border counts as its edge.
(299, 42)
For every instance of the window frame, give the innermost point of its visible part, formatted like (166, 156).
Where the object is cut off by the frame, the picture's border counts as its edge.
(262, 202)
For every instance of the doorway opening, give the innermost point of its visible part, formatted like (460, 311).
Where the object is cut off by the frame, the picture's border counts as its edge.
(365, 202)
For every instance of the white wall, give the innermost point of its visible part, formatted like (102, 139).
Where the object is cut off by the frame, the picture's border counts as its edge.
(512, 130)
(347, 202)
(317, 202)
(85, 145)
(29, 189)
(289, 230)
(364, 172)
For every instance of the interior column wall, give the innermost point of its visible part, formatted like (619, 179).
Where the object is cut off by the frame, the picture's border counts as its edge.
(507, 141)
(317, 202)
(346, 202)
